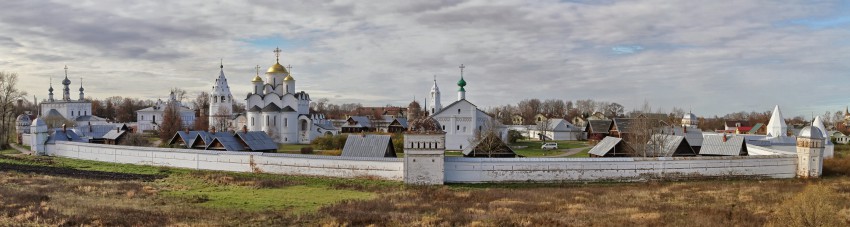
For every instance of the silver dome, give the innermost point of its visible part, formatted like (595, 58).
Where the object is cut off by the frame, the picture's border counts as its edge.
(811, 133)
(690, 116)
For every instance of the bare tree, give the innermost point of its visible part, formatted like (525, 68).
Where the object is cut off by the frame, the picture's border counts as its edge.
(9, 93)
(171, 122)
(488, 140)
(221, 119)
(543, 127)
(179, 94)
(645, 136)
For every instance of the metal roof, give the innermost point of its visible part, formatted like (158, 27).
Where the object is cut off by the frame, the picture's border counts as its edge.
(287, 109)
(360, 122)
(187, 137)
(228, 141)
(692, 135)
(66, 135)
(714, 145)
(368, 146)
(114, 134)
(604, 146)
(257, 140)
(623, 124)
(668, 145)
(255, 109)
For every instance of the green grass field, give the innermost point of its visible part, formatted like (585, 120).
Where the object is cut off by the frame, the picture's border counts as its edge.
(533, 148)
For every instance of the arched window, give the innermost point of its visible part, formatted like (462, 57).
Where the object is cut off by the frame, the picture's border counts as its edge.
(222, 99)
(458, 111)
(267, 120)
(275, 120)
(252, 121)
(458, 127)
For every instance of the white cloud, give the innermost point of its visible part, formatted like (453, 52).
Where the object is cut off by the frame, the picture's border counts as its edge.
(712, 56)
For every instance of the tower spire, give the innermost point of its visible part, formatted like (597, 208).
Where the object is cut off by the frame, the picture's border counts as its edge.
(66, 71)
(221, 60)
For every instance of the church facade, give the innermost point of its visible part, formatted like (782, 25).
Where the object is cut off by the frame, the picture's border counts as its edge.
(460, 120)
(275, 107)
(150, 118)
(66, 107)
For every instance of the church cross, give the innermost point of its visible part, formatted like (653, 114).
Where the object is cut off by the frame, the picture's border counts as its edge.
(277, 53)
(66, 71)
(258, 70)
(289, 67)
(461, 69)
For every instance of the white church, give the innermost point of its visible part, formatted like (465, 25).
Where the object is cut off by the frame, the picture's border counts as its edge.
(68, 108)
(150, 118)
(461, 119)
(275, 107)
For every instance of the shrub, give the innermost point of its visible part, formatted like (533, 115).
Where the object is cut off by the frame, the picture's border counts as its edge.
(306, 150)
(514, 135)
(328, 142)
(135, 139)
(398, 142)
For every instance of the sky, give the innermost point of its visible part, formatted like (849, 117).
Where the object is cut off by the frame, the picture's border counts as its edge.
(710, 57)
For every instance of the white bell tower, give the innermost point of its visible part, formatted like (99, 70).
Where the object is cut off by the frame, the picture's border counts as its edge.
(221, 103)
(434, 105)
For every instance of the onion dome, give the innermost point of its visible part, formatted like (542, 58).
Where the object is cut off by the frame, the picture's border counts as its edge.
(288, 77)
(413, 105)
(24, 119)
(461, 83)
(811, 132)
(51, 89)
(257, 79)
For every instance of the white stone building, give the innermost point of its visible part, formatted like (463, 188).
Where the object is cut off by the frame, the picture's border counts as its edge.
(276, 108)
(150, 118)
(67, 108)
(461, 120)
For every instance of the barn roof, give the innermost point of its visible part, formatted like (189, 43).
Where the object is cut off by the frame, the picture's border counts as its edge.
(257, 140)
(714, 145)
(605, 146)
(368, 146)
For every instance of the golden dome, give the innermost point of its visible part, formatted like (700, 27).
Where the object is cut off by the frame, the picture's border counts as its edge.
(277, 68)
(288, 77)
(257, 79)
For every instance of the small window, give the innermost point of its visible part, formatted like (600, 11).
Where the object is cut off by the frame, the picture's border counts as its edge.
(458, 127)
(252, 121)
(458, 111)
(444, 128)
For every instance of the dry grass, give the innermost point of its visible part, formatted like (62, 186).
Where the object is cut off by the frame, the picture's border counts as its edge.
(710, 203)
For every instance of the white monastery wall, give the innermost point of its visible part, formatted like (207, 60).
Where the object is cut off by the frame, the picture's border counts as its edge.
(457, 169)
(481, 170)
(385, 168)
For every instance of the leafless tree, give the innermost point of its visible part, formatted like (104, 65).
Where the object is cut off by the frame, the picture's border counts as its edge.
(171, 122)
(9, 93)
(645, 136)
(179, 94)
(543, 127)
(221, 119)
(488, 140)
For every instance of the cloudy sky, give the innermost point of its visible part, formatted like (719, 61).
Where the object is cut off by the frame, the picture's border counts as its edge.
(713, 57)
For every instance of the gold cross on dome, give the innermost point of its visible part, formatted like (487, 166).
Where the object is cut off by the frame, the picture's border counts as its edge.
(289, 67)
(277, 53)
(258, 70)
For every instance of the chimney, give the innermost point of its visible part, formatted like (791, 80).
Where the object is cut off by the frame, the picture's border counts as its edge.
(186, 129)
(244, 129)
(724, 137)
(212, 129)
(117, 129)
(685, 130)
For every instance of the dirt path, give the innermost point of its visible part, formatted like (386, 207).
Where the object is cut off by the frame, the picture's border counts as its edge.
(569, 152)
(20, 149)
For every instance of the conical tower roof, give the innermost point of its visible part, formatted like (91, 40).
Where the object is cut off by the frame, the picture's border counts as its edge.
(776, 127)
(818, 123)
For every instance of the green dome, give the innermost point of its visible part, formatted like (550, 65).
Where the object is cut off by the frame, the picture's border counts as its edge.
(461, 83)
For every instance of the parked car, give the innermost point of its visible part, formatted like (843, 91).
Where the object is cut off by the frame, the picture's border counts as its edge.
(549, 146)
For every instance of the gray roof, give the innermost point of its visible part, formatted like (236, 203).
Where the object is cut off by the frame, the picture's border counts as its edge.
(229, 141)
(360, 122)
(623, 125)
(90, 118)
(255, 109)
(287, 109)
(53, 112)
(257, 140)
(99, 130)
(599, 126)
(401, 121)
(271, 108)
(693, 135)
(328, 126)
(714, 145)
(114, 134)
(66, 135)
(187, 137)
(668, 145)
(604, 146)
(368, 146)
